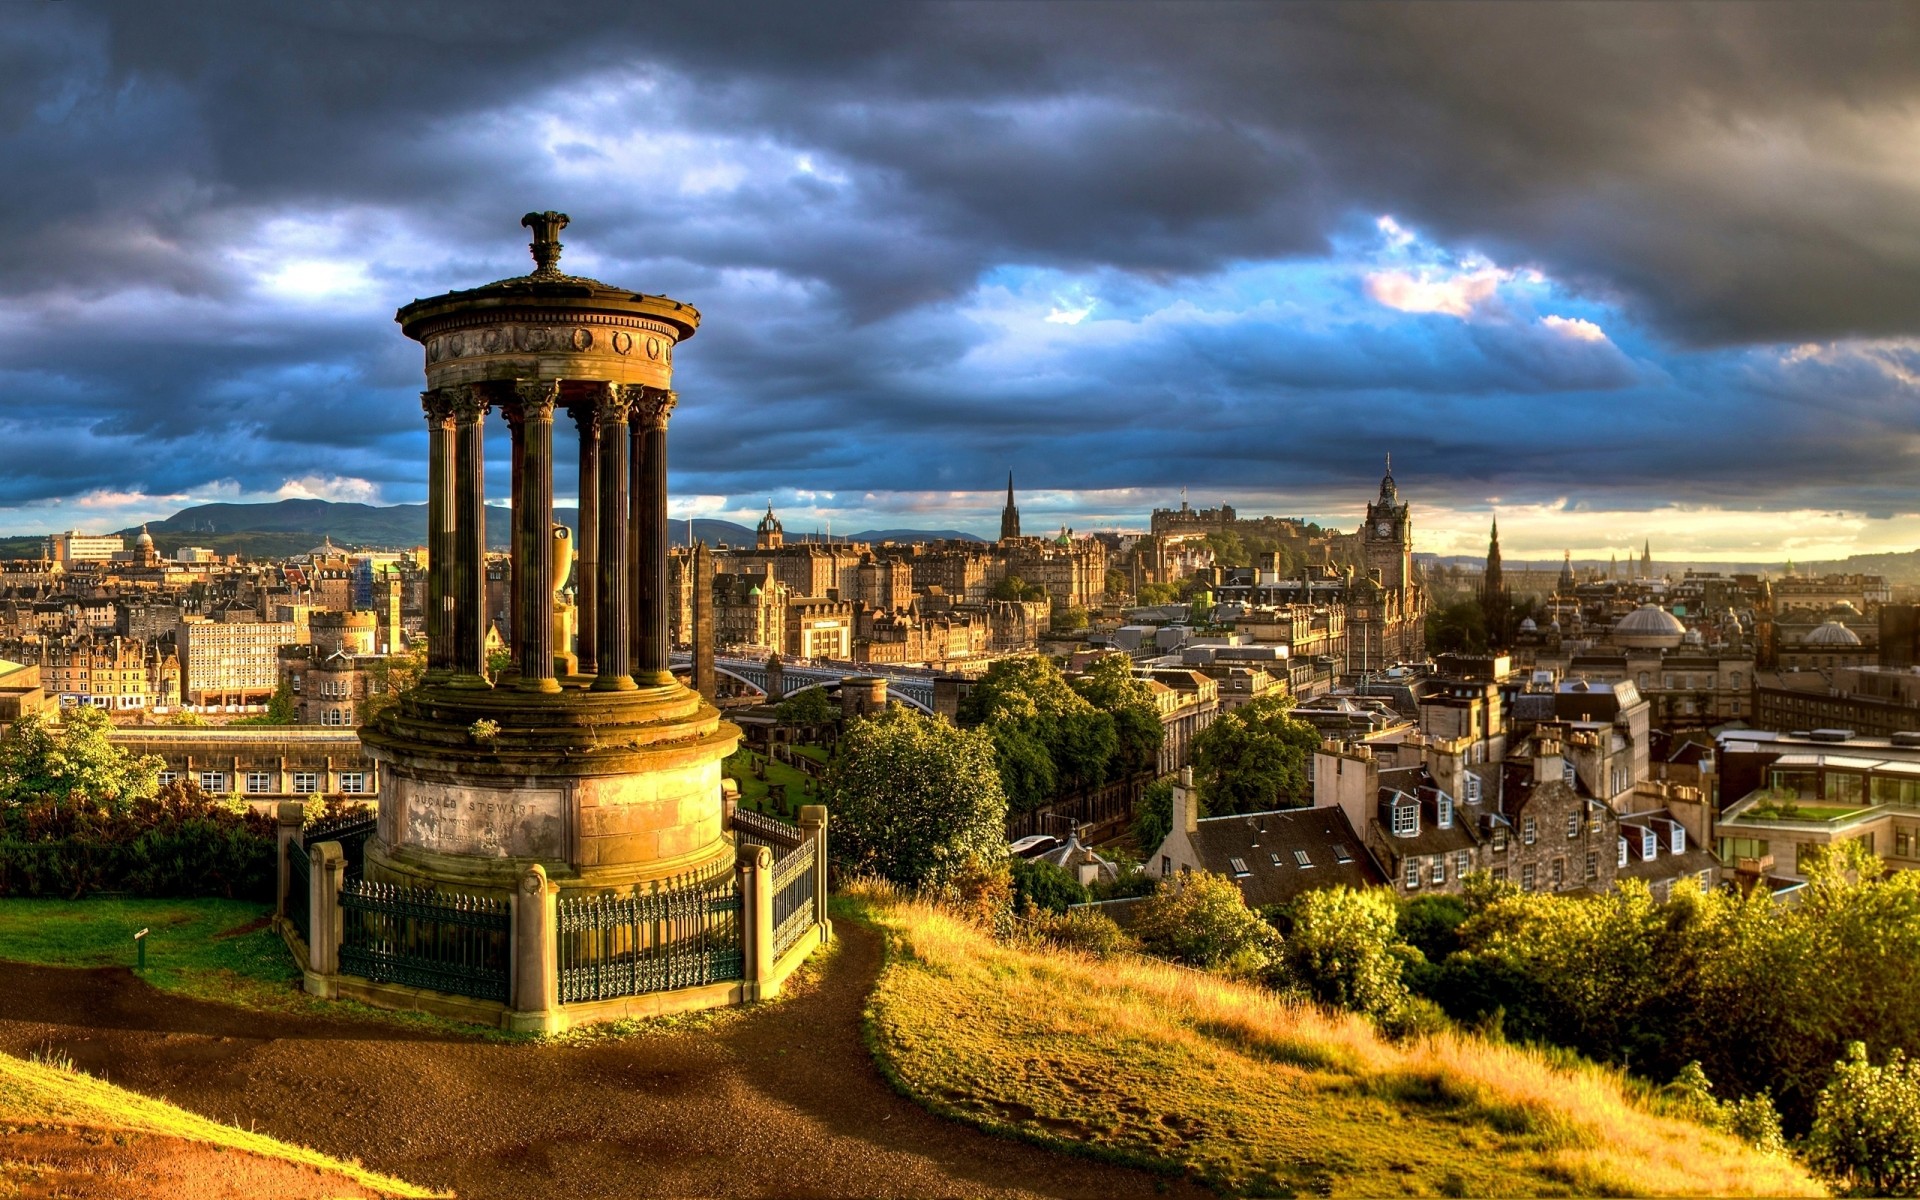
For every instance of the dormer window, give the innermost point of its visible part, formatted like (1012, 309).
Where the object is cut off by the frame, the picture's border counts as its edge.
(1649, 845)
(1443, 811)
(1473, 789)
(1406, 817)
(1677, 839)
(1623, 852)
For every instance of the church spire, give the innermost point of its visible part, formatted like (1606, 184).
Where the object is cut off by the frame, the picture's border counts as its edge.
(1009, 516)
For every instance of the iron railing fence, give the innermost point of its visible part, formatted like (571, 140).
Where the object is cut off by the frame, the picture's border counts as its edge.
(793, 895)
(419, 937)
(687, 933)
(757, 829)
(299, 896)
(351, 830)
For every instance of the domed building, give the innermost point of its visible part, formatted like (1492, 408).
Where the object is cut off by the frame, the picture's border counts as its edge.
(1826, 646)
(1649, 627)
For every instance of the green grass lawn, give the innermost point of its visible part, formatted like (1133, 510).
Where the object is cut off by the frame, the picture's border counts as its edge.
(194, 948)
(1805, 812)
(816, 753)
(753, 792)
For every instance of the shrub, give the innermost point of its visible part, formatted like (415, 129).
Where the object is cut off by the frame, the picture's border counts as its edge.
(1084, 930)
(1866, 1126)
(1752, 1120)
(1041, 885)
(914, 800)
(1341, 949)
(1203, 921)
(179, 842)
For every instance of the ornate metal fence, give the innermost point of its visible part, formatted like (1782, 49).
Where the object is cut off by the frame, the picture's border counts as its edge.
(423, 938)
(757, 829)
(685, 934)
(351, 830)
(299, 891)
(793, 893)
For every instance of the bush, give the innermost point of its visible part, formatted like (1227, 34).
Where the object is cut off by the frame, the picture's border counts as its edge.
(1341, 948)
(1866, 1126)
(1202, 920)
(1082, 929)
(1041, 885)
(1752, 1120)
(915, 800)
(178, 843)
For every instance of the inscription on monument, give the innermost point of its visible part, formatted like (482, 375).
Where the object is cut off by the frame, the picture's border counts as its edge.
(466, 820)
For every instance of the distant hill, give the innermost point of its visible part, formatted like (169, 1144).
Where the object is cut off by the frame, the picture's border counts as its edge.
(283, 528)
(913, 535)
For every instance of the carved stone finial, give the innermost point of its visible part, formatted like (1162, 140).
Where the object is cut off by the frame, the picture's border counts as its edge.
(546, 228)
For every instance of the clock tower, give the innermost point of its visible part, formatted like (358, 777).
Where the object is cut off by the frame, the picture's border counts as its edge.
(1386, 540)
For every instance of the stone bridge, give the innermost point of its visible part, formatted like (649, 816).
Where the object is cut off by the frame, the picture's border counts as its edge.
(912, 689)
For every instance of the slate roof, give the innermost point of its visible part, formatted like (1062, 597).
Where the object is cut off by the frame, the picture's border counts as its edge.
(1261, 853)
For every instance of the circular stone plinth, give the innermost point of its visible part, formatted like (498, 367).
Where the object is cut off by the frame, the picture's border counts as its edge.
(605, 790)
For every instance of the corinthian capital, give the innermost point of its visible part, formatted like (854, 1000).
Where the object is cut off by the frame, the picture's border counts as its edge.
(652, 406)
(536, 398)
(438, 406)
(470, 402)
(611, 403)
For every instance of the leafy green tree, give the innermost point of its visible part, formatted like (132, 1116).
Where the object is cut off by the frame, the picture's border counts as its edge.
(1153, 815)
(1152, 594)
(1041, 885)
(806, 709)
(1203, 921)
(1866, 1126)
(72, 760)
(1012, 587)
(280, 708)
(1228, 549)
(1254, 758)
(1458, 628)
(1343, 947)
(916, 800)
(1110, 686)
(1025, 703)
(1068, 619)
(1116, 584)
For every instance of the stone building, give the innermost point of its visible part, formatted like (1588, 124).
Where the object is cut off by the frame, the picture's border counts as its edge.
(819, 627)
(350, 633)
(223, 663)
(749, 611)
(118, 674)
(261, 765)
(328, 686)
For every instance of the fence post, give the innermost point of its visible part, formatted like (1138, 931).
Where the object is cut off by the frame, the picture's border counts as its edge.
(536, 955)
(288, 818)
(755, 867)
(813, 822)
(329, 865)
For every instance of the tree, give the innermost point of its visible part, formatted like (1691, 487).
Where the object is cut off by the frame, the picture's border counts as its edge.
(808, 708)
(1153, 815)
(1041, 885)
(1203, 921)
(1110, 686)
(280, 708)
(72, 760)
(1066, 620)
(1228, 549)
(1459, 628)
(1344, 948)
(1012, 587)
(1866, 1126)
(1024, 703)
(1254, 758)
(915, 800)
(1154, 594)
(1116, 584)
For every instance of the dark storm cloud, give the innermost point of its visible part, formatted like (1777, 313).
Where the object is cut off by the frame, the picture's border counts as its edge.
(1703, 178)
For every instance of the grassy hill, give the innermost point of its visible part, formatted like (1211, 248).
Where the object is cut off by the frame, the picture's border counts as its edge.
(1157, 1065)
(69, 1134)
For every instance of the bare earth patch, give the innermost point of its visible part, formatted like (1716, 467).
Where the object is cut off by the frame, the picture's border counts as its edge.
(95, 1164)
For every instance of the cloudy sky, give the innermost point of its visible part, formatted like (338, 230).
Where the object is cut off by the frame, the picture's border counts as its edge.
(1610, 272)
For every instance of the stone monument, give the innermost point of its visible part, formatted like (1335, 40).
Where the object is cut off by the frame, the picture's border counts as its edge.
(603, 770)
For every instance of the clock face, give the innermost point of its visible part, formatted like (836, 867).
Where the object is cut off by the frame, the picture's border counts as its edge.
(1384, 529)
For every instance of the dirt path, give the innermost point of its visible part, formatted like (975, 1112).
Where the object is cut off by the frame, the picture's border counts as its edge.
(784, 1101)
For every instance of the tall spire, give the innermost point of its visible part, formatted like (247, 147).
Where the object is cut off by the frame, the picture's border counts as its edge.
(1009, 516)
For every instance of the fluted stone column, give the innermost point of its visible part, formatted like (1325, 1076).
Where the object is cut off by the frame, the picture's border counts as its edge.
(532, 416)
(611, 606)
(636, 515)
(587, 543)
(470, 537)
(440, 524)
(651, 488)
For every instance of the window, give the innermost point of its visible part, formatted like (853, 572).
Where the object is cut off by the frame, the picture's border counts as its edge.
(1844, 788)
(1499, 839)
(305, 783)
(1573, 823)
(1274, 857)
(1340, 855)
(1734, 849)
(1526, 877)
(1559, 872)
(1649, 845)
(1406, 819)
(1463, 862)
(1413, 874)
(1677, 839)
(354, 783)
(1443, 811)
(1568, 775)
(1166, 866)
(167, 777)
(1439, 868)
(1500, 874)
(258, 782)
(1623, 852)
(213, 782)
(1239, 865)
(1527, 831)
(1593, 865)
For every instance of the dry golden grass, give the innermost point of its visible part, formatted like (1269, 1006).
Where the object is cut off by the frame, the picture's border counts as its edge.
(37, 1094)
(1154, 1064)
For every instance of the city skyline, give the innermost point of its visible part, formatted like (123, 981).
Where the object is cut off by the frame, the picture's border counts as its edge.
(1110, 253)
